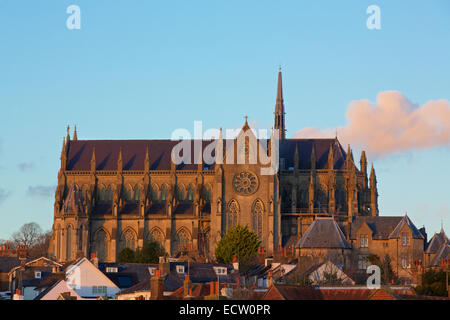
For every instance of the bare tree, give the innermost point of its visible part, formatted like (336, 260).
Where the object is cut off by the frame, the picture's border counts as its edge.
(27, 235)
(40, 248)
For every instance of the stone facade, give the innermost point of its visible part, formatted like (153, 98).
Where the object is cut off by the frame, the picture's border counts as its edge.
(117, 194)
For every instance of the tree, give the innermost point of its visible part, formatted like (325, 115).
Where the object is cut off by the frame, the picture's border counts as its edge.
(126, 255)
(150, 252)
(40, 248)
(27, 235)
(433, 284)
(387, 274)
(239, 241)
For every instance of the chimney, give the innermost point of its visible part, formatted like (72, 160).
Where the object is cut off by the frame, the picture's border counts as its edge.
(269, 278)
(187, 286)
(94, 259)
(211, 288)
(217, 288)
(164, 266)
(157, 286)
(235, 263)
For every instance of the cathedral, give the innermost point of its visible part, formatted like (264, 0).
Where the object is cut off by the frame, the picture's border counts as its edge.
(116, 194)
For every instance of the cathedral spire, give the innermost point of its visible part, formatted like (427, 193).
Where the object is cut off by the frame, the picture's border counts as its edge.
(373, 193)
(64, 155)
(68, 135)
(279, 110)
(75, 138)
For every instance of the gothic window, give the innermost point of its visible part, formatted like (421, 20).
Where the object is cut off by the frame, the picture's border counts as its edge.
(190, 193)
(180, 193)
(364, 241)
(109, 194)
(257, 214)
(80, 238)
(181, 241)
(127, 240)
(233, 211)
(127, 192)
(154, 193)
(163, 193)
(101, 245)
(137, 194)
(84, 191)
(156, 235)
(206, 194)
(101, 193)
(69, 243)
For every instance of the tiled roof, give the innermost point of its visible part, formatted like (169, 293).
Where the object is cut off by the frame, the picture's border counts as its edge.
(324, 232)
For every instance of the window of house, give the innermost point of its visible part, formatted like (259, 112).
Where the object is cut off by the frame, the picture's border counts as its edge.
(405, 262)
(151, 270)
(220, 271)
(180, 269)
(364, 241)
(405, 239)
(37, 274)
(362, 262)
(111, 270)
(385, 244)
(100, 290)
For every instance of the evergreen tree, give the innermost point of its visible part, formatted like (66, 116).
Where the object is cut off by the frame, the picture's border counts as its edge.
(239, 241)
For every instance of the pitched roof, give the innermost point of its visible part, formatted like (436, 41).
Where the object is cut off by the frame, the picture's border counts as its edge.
(324, 232)
(443, 253)
(436, 242)
(416, 234)
(8, 263)
(134, 153)
(305, 146)
(384, 228)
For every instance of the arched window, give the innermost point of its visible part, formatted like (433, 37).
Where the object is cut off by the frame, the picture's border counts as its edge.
(109, 194)
(182, 240)
(190, 194)
(69, 243)
(127, 193)
(127, 240)
(257, 214)
(137, 194)
(233, 211)
(154, 193)
(80, 238)
(101, 245)
(84, 191)
(163, 193)
(180, 193)
(101, 193)
(207, 194)
(156, 235)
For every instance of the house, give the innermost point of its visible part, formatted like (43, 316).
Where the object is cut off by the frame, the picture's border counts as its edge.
(126, 275)
(437, 250)
(396, 237)
(28, 276)
(173, 275)
(324, 240)
(83, 280)
(320, 273)
(6, 264)
(290, 292)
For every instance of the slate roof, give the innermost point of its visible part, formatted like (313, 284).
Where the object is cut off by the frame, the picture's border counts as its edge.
(8, 263)
(128, 274)
(443, 253)
(384, 228)
(134, 152)
(324, 232)
(436, 242)
(416, 234)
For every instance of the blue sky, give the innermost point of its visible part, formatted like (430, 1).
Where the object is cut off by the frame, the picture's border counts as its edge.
(140, 69)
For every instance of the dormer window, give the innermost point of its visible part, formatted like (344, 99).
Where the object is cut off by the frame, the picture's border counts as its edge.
(37, 274)
(405, 239)
(111, 269)
(180, 269)
(364, 241)
(220, 271)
